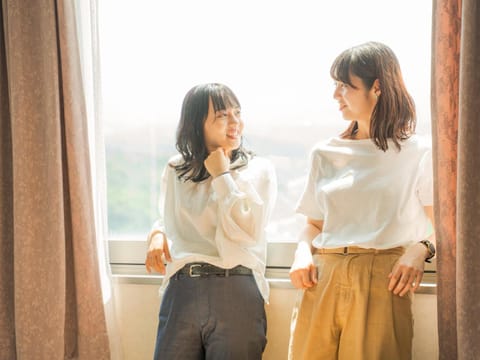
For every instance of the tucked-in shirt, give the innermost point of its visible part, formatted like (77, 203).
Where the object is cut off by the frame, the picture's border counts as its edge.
(367, 197)
(219, 221)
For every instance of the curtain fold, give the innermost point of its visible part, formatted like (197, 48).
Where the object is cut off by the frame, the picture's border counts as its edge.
(468, 191)
(51, 302)
(444, 102)
(88, 28)
(7, 319)
(456, 134)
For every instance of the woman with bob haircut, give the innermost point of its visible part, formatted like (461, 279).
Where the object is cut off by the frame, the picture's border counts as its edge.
(216, 200)
(368, 207)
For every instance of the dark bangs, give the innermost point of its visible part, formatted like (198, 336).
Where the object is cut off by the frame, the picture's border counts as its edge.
(222, 98)
(340, 69)
(354, 62)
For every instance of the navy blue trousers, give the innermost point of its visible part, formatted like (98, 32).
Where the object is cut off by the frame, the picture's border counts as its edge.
(212, 318)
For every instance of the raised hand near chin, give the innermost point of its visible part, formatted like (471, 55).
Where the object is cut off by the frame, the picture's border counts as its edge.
(217, 162)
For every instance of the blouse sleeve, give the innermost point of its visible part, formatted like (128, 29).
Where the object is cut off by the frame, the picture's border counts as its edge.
(245, 204)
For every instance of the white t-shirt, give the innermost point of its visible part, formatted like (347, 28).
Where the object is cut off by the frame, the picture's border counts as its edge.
(220, 221)
(367, 197)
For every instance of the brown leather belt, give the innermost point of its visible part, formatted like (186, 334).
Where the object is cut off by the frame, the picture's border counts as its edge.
(205, 269)
(355, 250)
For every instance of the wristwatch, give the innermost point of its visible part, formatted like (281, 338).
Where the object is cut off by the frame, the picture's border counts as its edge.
(431, 250)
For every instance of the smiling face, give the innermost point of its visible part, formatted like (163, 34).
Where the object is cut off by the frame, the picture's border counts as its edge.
(370, 92)
(355, 101)
(223, 128)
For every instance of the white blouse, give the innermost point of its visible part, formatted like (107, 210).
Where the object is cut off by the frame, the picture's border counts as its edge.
(220, 221)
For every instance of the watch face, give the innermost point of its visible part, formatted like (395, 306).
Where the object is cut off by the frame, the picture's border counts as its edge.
(430, 247)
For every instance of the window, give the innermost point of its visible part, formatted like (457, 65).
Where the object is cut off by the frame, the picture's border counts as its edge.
(274, 54)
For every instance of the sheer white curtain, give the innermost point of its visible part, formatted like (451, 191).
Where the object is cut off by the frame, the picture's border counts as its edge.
(87, 25)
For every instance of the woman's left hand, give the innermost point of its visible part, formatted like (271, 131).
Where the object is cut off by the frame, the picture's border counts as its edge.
(408, 270)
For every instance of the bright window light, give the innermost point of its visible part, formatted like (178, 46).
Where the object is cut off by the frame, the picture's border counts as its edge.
(274, 54)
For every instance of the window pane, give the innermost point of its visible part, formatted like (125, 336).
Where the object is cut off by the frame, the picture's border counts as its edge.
(276, 57)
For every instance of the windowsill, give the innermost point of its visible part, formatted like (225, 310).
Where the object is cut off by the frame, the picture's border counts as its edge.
(277, 278)
(280, 254)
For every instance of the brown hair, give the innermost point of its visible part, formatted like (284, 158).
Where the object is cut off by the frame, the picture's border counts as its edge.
(394, 115)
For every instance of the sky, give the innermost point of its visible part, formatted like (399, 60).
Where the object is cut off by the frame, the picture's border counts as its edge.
(274, 54)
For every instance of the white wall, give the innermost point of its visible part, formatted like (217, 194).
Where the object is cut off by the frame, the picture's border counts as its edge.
(137, 315)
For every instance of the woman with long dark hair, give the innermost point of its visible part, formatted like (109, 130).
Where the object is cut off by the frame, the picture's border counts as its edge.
(216, 200)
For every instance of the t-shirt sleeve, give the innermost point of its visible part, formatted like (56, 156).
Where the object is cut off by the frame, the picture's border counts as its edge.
(309, 204)
(425, 180)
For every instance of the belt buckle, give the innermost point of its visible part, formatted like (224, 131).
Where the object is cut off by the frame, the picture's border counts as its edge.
(190, 271)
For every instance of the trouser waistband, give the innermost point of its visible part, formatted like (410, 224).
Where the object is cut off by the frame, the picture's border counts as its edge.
(356, 250)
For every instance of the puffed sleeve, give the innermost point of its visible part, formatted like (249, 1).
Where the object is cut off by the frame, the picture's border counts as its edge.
(246, 202)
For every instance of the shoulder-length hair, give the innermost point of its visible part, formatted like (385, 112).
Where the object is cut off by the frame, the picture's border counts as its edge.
(394, 115)
(190, 139)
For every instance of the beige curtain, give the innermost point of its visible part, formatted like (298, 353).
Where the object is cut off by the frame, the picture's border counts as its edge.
(50, 297)
(456, 140)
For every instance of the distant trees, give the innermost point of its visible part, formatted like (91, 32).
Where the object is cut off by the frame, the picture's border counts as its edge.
(133, 184)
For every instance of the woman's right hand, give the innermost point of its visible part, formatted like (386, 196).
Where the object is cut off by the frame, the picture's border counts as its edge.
(303, 273)
(217, 162)
(157, 249)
